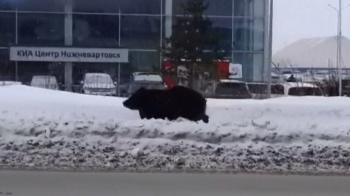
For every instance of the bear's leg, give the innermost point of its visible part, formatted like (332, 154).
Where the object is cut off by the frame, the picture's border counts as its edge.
(149, 115)
(205, 118)
(142, 114)
(172, 117)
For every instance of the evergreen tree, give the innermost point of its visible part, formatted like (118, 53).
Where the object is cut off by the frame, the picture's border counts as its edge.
(192, 44)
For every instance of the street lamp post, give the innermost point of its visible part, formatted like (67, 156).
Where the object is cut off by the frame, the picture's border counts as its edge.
(339, 35)
(267, 45)
(270, 51)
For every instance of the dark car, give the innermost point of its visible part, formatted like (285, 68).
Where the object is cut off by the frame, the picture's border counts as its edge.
(132, 87)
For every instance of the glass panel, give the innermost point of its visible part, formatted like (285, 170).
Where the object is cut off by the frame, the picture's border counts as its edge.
(140, 32)
(41, 29)
(258, 31)
(39, 5)
(243, 8)
(216, 7)
(259, 8)
(7, 67)
(242, 34)
(223, 27)
(248, 34)
(246, 60)
(95, 30)
(112, 6)
(143, 61)
(7, 5)
(258, 67)
(219, 7)
(26, 70)
(7, 28)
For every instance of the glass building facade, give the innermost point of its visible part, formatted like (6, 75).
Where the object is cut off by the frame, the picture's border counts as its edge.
(139, 25)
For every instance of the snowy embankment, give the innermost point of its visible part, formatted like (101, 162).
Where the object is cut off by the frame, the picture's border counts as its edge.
(59, 130)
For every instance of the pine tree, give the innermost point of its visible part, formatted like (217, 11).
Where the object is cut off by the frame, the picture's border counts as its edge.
(191, 38)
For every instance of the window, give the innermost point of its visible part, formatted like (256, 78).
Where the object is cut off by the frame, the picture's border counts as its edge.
(7, 67)
(41, 29)
(242, 38)
(243, 8)
(259, 8)
(143, 61)
(7, 5)
(95, 30)
(140, 32)
(26, 70)
(219, 8)
(39, 5)
(113, 6)
(223, 28)
(216, 7)
(245, 59)
(258, 31)
(249, 8)
(7, 28)
(258, 67)
(248, 34)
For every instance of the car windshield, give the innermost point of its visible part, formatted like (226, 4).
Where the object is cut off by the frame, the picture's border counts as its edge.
(148, 77)
(98, 79)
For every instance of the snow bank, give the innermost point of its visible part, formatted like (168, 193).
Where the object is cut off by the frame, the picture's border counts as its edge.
(42, 128)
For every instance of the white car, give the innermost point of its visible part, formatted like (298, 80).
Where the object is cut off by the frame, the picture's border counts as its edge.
(147, 77)
(98, 84)
(47, 82)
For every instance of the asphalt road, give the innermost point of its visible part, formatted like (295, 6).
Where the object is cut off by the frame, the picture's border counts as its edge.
(33, 183)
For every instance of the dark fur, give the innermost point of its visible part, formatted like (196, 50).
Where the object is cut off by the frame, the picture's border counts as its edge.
(176, 102)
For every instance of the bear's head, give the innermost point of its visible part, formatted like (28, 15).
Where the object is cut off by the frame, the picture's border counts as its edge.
(135, 102)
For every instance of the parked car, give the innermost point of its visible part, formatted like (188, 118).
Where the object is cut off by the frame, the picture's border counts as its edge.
(47, 82)
(136, 85)
(147, 76)
(259, 90)
(9, 83)
(228, 89)
(98, 84)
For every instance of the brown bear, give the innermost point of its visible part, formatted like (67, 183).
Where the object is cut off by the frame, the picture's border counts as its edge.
(173, 103)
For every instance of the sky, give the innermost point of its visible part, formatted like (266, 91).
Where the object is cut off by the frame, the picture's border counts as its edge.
(297, 19)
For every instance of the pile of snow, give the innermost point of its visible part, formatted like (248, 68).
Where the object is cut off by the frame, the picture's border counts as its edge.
(42, 128)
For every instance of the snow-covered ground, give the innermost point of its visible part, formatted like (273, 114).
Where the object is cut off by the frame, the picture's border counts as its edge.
(52, 129)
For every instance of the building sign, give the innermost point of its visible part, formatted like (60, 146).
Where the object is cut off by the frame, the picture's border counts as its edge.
(235, 71)
(68, 54)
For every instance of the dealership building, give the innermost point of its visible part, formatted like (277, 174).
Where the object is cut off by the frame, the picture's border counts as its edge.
(67, 38)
